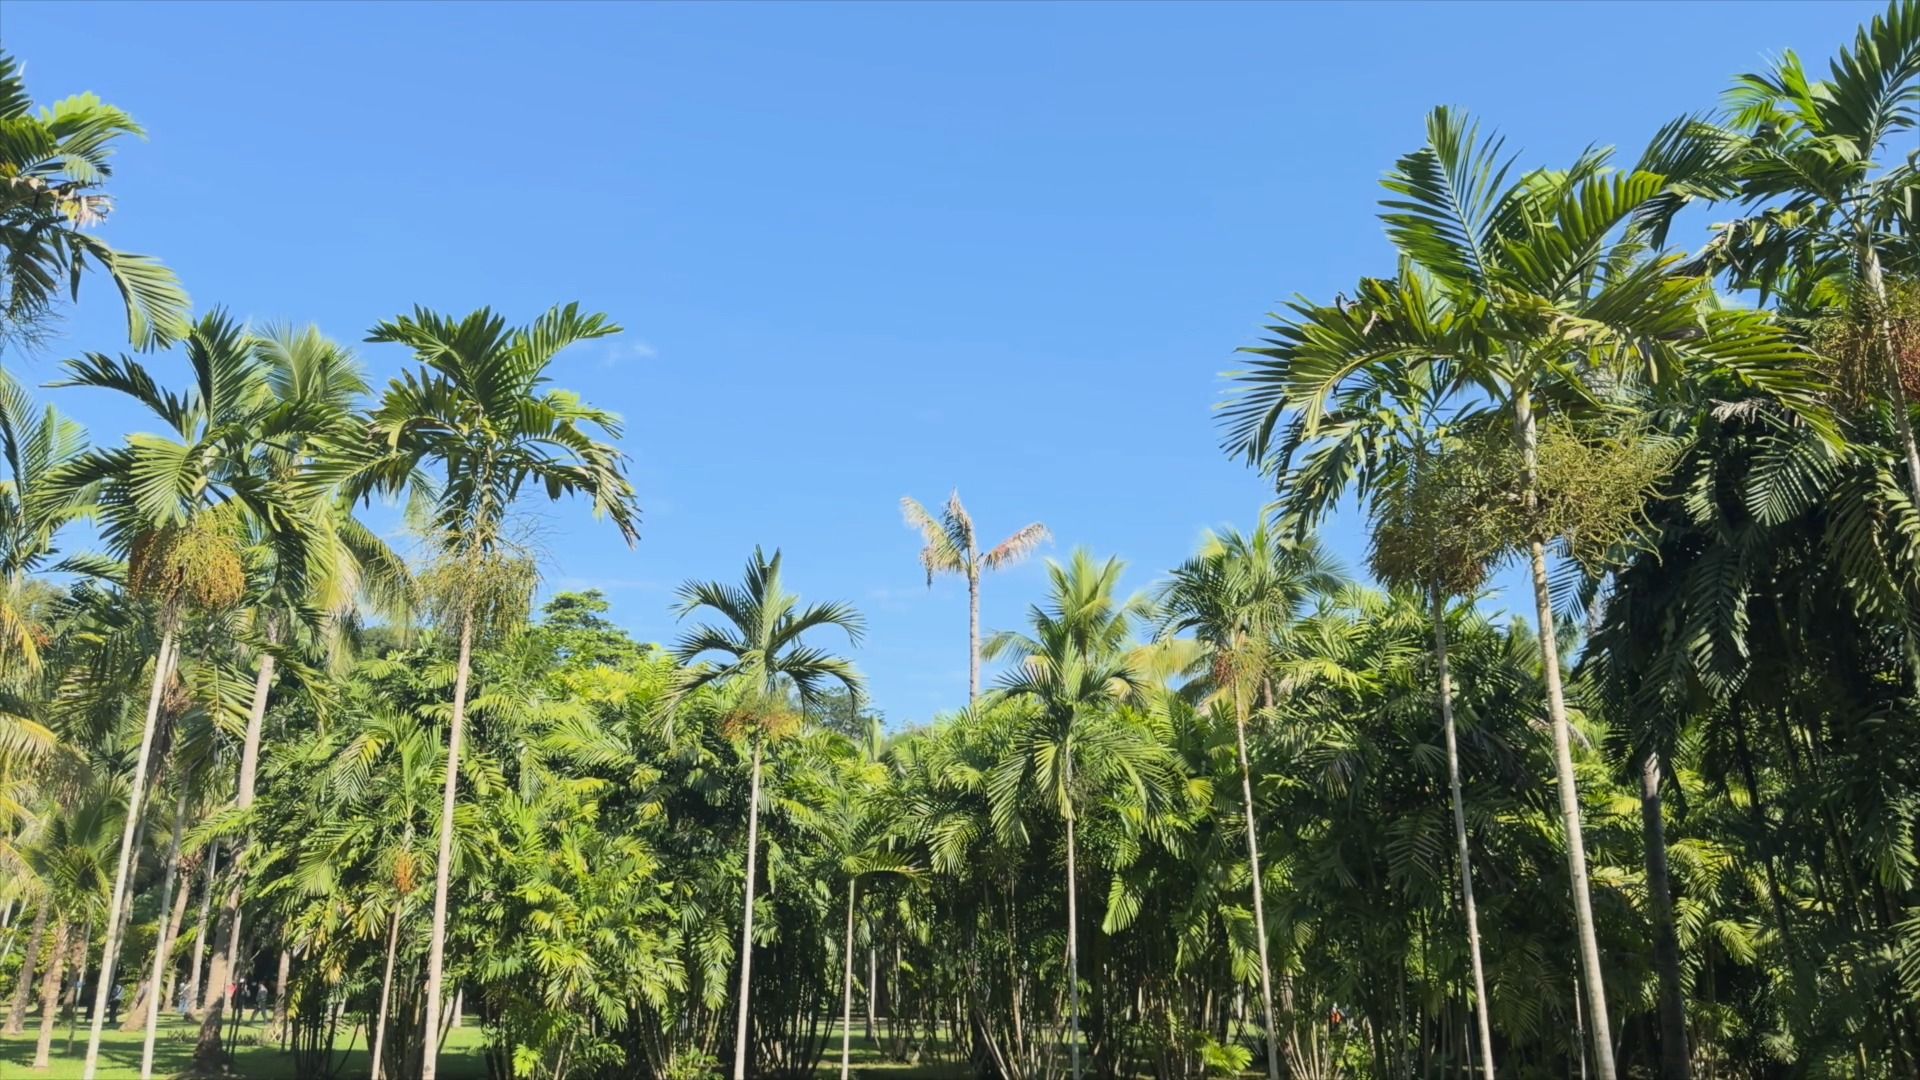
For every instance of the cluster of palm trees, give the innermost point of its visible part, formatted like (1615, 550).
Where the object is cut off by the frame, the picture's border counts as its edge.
(1666, 826)
(232, 548)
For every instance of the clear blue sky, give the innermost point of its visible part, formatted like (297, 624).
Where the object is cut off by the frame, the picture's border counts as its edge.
(861, 251)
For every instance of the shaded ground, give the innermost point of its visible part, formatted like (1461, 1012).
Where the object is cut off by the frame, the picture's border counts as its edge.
(173, 1051)
(120, 1056)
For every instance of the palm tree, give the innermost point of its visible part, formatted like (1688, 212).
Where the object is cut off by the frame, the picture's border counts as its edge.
(862, 825)
(1828, 218)
(950, 549)
(1523, 293)
(51, 168)
(1238, 595)
(303, 590)
(759, 638)
(69, 859)
(1077, 669)
(381, 784)
(1431, 501)
(177, 504)
(481, 412)
(34, 444)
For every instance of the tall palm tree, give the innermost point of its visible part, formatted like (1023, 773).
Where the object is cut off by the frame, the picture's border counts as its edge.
(1827, 216)
(1430, 501)
(950, 549)
(52, 165)
(1077, 668)
(176, 505)
(1238, 595)
(1527, 293)
(301, 593)
(759, 639)
(481, 412)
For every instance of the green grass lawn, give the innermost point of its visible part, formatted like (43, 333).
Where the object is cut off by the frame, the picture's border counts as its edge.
(120, 1054)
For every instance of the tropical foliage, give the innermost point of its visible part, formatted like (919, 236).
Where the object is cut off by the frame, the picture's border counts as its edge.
(1264, 813)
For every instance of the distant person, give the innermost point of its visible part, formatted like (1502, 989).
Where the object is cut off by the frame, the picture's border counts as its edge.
(113, 1003)
(260, 1001)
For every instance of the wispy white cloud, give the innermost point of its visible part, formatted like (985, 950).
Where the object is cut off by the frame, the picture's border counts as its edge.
(631, 350)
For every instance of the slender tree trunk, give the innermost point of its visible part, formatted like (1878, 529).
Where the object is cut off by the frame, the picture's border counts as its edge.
(386, 992)
(1602, 1031)
(1480, 1005)
(1675, 1057)
(1253, 864)
(50, 994)
(1073, 932)
(79, 961)
(161, 944)
(146, 999)
(171, 937)
(279, 1020)
(443, 870)
(23, 984)
(973, 636)
(109, 952)
(459, 1006)
(846, 986)
(746, 920)
(208, 1051)
(196, 987)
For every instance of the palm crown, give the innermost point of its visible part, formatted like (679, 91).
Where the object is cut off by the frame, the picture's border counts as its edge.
(480, 408)
(759, 635)
(951, 547)
(51, 168)
(1545, 284)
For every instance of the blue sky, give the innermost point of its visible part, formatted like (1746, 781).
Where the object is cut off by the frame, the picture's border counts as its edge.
(860, 251)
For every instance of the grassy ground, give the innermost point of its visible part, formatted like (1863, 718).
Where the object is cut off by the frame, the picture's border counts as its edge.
(120, 1054)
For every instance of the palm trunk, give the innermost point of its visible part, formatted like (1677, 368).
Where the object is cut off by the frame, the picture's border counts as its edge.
(161, 943)
(79, 961)
(443, 870)
(279, 1019)
(386, 992)
(746, 920)
(1903, 422)
(1253, 863)
(1675, 1057)
(846, 983)
(23, 985)
(169, 978)
(207, 1052)
(1480, 1005)
(1073, 941)
(745, 923)
(973, 636)
(50, 994)
(195, 987)
(109, 952)
(1602, 1031)
(873, 971)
